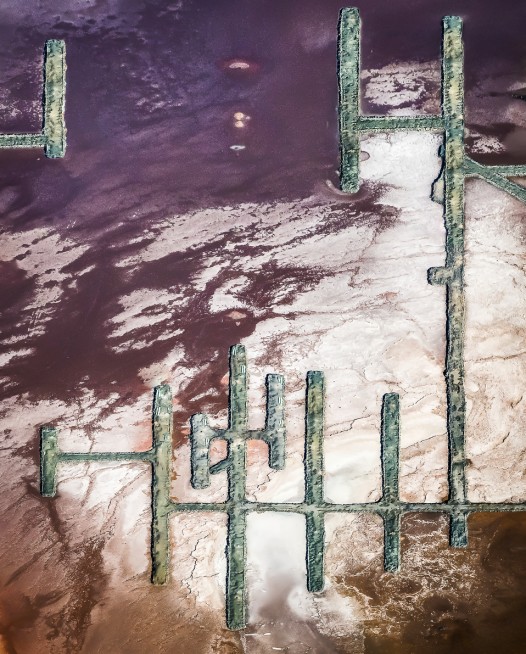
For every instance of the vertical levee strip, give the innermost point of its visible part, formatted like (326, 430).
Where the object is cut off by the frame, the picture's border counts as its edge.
(275, 421)
(200, 436)
(237, 400)
(453, 114)
(458, 529)
(390, 437)
(162, 446)
(315, 534)
(315, 526)
(237, 424)
(236, 574)
(49, 456)
(236, 473)
(391, 540)
(390, 441)
(54, 126)
(349, 98)
(314, 438)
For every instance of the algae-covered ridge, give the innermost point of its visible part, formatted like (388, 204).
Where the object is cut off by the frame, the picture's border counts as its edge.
(456, 168)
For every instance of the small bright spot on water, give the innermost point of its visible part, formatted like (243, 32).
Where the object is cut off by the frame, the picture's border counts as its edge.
(238, 64)
(240, 67)
(240, 119)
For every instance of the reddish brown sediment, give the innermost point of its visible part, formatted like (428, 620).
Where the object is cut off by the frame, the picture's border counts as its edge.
(432, 605)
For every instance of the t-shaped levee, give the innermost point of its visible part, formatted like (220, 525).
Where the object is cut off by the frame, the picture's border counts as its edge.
(159, 456)
(53, 135)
